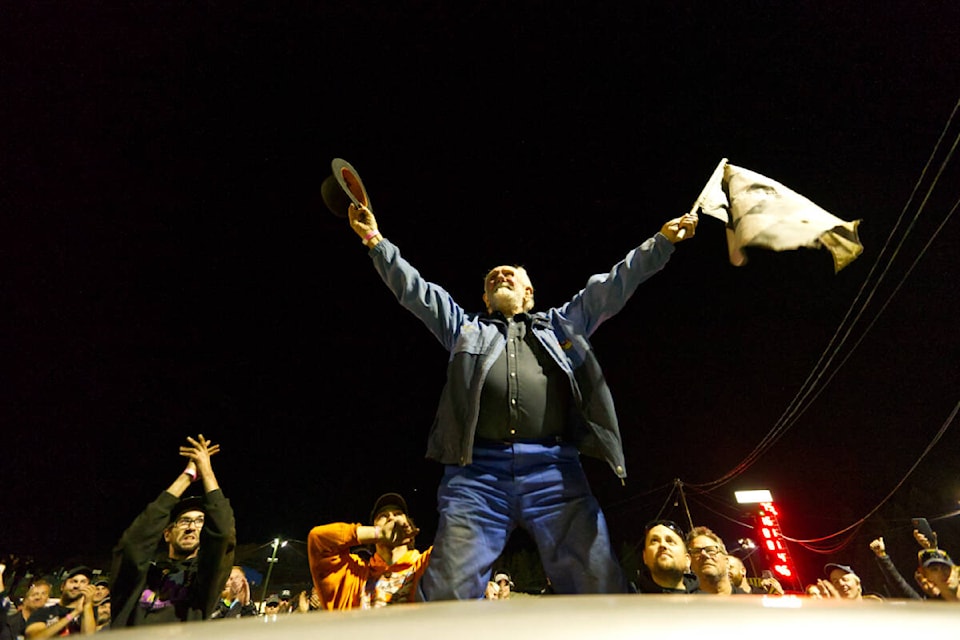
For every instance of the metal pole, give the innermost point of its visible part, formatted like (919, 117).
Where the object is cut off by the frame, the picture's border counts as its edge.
(266, 581)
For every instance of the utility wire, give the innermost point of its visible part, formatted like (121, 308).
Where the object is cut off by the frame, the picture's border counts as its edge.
(794, 409)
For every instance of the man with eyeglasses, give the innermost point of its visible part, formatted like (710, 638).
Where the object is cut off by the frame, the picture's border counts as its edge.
(666, 563)
(170, 565)
(708, 560)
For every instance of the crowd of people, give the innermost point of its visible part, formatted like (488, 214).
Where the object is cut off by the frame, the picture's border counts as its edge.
(525, 397)
(187, 574)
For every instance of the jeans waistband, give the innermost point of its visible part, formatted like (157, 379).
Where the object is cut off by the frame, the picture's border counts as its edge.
(547, 442)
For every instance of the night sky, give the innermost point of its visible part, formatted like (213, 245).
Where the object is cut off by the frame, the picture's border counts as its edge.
(170, 269)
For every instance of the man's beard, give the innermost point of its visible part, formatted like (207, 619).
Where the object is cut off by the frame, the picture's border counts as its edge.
(504, 299)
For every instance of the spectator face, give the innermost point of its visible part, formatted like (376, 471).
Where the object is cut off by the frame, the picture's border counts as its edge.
(504, 589)
(183, 536)
(100, 592)
(736, 570)
(72, 588)
(925, 585)
(235, 582)
(36, 597)
(271, 608)
(103, 613)
(942, 576)
(396, 516)
(847, 584)
(707, 558)
(664, 551)
(814, 591)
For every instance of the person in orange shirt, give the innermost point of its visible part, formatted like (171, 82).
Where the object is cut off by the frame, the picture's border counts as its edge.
(346, 580)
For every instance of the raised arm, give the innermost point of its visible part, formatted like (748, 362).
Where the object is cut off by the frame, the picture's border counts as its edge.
(605, 294)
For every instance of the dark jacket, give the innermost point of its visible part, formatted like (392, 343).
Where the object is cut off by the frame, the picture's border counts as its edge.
(897, 586)
(475, 341)
(645, 583)
(233, 609)
(191, 587)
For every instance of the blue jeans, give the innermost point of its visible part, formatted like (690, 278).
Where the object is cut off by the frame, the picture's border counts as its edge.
(541, 488)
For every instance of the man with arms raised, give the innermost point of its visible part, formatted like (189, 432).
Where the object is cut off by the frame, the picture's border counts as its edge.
(170, 565)
(525, 396)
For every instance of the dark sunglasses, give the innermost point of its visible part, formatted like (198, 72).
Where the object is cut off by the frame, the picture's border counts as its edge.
(669, 524)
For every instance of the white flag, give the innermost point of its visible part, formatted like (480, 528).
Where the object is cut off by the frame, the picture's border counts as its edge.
(762, 212)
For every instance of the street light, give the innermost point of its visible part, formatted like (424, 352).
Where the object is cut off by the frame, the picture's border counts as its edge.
(272, 560)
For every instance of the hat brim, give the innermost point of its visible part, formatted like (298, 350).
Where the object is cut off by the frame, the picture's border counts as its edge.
(343, 188)
(190, 503)
(386, 501)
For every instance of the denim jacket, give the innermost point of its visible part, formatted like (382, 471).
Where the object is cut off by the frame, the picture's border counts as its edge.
(475, 341)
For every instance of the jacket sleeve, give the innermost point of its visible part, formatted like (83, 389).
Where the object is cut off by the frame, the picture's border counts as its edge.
(218, 542)
(331, 564)
(134, 552)
(427, 301)
(605, 294)
(899, 587)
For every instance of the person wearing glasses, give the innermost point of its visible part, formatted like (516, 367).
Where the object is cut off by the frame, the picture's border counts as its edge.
(666, 563)
(171, 563)
(708, 560)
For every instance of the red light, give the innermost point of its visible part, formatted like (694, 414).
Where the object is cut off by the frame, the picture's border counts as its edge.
(767, 520)
(783, 570)
(770, 545)
(765, 532)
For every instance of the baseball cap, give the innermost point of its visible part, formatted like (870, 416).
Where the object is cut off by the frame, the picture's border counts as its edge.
(928, 557)
(77, 571)
(192, 503)
(503, 575)
(386, 501)
(272, 601)
(828, 568)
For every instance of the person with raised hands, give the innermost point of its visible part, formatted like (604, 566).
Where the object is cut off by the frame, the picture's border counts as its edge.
(171, 563)
(525, 396)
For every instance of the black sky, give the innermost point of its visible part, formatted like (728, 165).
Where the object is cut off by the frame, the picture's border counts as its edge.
(170, 268)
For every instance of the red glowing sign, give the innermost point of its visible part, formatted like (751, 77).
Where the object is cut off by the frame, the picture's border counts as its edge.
(768, 524)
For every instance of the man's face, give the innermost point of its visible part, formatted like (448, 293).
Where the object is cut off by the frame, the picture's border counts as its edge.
(271, 608)
(942, 576)
(664, 551)
(736, 570)
(504, 588)
(100, 592)
(183, 536)
(103, 612)
(395, 517)
(707, 558)
(506, 289)
(847, 584)
(72, 588)
(37, 596)
(926, 585)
